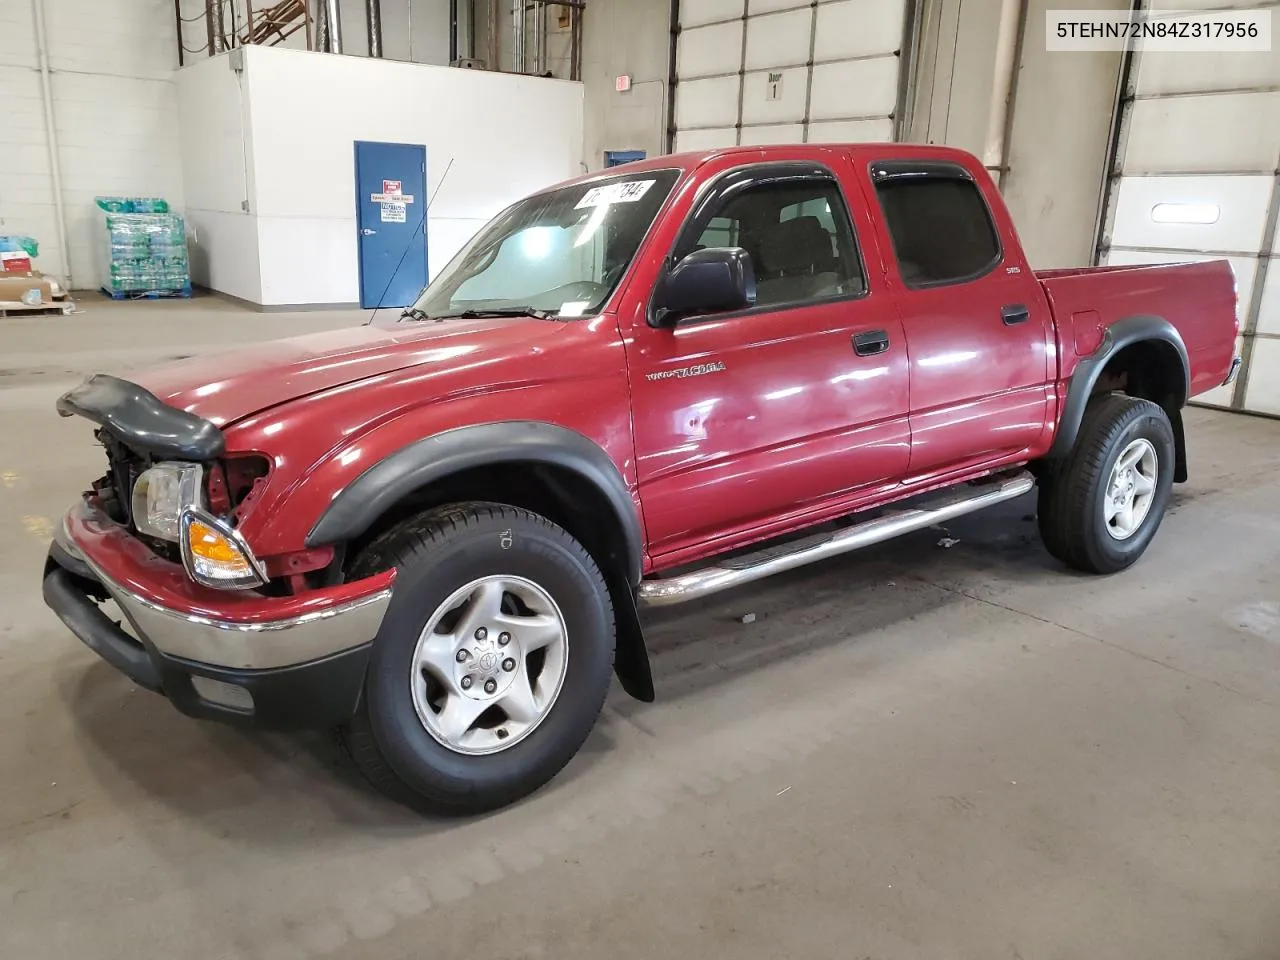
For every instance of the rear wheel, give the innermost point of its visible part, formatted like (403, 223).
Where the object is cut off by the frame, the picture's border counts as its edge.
(1101, 506)
(492, 663)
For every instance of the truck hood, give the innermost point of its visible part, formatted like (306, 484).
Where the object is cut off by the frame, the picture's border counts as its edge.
(227, 387)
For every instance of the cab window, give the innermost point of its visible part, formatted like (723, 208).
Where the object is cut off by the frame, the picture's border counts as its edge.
(798, 235)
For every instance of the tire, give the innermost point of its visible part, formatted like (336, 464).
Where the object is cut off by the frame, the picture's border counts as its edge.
(400, 739)
(1076, 517)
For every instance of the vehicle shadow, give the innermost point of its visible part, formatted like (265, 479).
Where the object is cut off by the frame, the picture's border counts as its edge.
(285, 789)
(844, 599)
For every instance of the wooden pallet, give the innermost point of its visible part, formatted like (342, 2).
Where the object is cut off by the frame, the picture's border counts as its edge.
(55, 308)
(181, 293)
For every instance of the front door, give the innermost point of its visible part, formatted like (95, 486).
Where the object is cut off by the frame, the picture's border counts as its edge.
(766, 415)
(391, 209)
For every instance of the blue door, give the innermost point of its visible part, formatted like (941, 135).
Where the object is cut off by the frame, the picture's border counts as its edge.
(391, 207)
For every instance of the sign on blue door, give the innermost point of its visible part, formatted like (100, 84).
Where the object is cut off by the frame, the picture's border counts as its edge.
(391, 222)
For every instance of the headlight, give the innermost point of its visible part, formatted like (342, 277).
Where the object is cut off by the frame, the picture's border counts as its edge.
(215, 555)
(167, 504)
(160, 495)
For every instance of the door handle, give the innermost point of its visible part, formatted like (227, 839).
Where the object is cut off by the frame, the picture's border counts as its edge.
(1014, 313)
(870, 343)
(366, 232)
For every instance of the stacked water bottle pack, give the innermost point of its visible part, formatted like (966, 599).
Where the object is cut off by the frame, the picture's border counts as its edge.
(144, 249)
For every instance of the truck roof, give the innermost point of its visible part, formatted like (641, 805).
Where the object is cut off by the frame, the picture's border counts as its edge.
(691, 160)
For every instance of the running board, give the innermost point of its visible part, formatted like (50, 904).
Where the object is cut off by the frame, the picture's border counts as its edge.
(765, 563)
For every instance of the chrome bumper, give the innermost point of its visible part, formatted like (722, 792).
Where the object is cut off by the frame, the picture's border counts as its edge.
(244, 646)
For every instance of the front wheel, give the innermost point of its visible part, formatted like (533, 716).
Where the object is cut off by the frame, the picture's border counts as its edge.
(1100, 507)
(492, 663)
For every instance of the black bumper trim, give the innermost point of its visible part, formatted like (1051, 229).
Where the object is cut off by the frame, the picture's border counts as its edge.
(317, 694)
(322, 693)
(71, 602)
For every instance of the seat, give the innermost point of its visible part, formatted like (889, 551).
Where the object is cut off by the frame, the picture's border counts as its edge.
(795, 260)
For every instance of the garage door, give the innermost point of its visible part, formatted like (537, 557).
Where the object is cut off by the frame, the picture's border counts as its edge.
(786, 71)
(1195, 178)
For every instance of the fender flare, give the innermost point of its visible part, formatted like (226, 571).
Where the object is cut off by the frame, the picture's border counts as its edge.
(1123, 333)
(357, 506)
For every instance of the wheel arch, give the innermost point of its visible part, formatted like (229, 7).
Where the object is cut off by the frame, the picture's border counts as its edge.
(548, 469)
(1142, 355)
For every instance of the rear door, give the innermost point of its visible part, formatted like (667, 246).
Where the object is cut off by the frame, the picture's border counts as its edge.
(978, 328)
(773, 413)
(391, 222)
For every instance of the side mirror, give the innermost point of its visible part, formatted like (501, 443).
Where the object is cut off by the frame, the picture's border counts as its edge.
(714, 280)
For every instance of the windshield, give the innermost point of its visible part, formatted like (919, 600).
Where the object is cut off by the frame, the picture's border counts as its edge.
(559, 253)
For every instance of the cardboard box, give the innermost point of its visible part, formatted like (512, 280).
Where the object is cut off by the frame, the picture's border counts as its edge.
(12, 288)
(15, 262)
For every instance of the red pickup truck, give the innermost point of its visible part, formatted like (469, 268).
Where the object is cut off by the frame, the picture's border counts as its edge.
(635, 388)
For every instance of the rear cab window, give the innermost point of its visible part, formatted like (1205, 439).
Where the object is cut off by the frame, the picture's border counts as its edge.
(942, 229)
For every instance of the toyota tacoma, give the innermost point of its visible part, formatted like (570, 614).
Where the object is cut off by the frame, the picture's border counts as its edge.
(434, 532)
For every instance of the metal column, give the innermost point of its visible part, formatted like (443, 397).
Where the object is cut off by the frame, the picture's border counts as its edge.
(333, 11)
(373, 17)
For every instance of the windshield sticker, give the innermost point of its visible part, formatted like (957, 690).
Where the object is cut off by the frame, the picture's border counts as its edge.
(574, 308)
(628, 191)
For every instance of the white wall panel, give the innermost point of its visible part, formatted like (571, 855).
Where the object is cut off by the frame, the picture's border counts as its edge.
(758, 108)
(1230, 132)
(779, 39)
(213, 139)
(778, 133)
(694, 12)
(1269, 313)
(857, 28)
(706, 51)
(708, 103)
(851, 131)
(710, 139)
(1263, 392)
(17, 35)
(855, 89)
(1192, 72)
(115, 115)
(127, 38)
(1242, 210)
(768, 6)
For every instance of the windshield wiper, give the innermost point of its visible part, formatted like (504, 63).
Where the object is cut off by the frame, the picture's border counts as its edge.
(498, 312)
(414, 313)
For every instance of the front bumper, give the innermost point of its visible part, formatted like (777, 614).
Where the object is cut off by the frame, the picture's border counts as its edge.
(280, 662)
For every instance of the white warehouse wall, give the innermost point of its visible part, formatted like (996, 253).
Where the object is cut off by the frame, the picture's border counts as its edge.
(115, 116)
(300, 115)
(221, 233)
(630, 37)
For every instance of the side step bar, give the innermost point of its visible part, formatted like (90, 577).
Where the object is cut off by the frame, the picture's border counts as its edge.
(748, 569)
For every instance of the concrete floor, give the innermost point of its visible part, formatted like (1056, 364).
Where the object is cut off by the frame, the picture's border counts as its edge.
(913, 752)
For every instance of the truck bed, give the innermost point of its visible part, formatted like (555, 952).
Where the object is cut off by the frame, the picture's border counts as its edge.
(1198, 299)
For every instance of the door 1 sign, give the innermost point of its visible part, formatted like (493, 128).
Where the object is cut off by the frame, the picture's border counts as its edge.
(393, 201)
